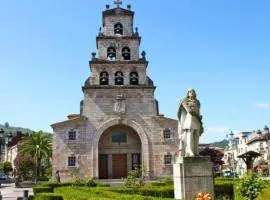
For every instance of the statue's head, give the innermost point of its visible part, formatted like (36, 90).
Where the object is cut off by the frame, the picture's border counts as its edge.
(191, 93)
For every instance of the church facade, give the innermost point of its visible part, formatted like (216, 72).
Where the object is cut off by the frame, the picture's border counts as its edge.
(119, 126)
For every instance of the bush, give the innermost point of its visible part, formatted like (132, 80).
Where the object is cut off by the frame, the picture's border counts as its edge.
(135, 178)
(265, 194)
(251, 186)
(90, 183)
(48, 196)
(42, 189)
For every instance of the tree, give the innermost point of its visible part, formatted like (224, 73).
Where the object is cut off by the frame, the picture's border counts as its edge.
(38, 145)
(215, 155)
(7, 167)
(25, 165)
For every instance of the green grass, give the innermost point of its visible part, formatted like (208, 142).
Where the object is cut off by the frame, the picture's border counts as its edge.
(98, 193)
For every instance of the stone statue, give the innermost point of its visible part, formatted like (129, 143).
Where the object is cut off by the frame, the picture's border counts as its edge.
(190, 125)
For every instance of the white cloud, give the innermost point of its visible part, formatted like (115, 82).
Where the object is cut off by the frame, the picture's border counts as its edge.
(261, 105)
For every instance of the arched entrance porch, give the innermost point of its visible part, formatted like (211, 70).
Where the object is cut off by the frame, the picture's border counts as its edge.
(120, 151)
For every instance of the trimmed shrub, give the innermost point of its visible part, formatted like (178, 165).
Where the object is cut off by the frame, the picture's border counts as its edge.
(158, 184)
(265, 194)
(224, 189)
(103, 185)
(90, 183)
(31, 197)
(167, 192)
(42, 189)
(48, 196)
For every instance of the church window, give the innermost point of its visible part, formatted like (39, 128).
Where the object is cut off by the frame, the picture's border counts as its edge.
(72, 135)
(71, 161)
(104, 78)
(111, 53)
(126, 53)
(134, 78)
(167, 159)
(167, 133)
(118, 29)
(119, 137)
(119, 78)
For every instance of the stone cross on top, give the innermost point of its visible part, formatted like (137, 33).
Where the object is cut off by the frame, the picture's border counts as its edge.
(118, 3)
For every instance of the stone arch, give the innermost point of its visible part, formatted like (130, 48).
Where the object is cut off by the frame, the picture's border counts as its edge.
(129, 123)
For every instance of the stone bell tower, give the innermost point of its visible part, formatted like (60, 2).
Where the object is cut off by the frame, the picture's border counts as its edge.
(119, 126)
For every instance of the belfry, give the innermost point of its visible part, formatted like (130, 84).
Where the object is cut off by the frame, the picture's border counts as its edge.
(119, 126)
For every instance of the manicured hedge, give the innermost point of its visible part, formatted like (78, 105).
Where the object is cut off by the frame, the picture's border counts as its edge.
(167, 192)
(48, 196)
(265, 194)
(42, 189)
(224, 189)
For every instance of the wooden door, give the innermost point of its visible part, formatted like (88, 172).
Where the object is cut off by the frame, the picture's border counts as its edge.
(119, 162)
(103, 166)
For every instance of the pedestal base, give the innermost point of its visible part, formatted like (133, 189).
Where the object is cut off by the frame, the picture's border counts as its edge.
(192, 175)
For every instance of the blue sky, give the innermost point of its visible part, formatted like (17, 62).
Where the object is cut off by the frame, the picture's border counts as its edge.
(220, 48)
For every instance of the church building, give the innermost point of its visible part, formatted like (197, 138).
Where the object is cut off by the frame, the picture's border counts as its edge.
(119, 126)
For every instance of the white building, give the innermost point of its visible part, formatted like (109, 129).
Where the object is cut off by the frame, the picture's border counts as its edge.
(246, 141)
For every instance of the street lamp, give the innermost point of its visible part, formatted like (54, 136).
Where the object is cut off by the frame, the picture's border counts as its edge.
(1, 142)
(37, 147)
(231, 155)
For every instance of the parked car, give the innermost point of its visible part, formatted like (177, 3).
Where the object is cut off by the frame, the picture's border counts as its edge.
(3, 177)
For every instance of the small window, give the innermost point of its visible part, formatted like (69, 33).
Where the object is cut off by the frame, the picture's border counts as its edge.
(71, 161)
(168, 159)
(118, 29)
(119, 137)
(111, 53)
(119, 78)
(134, 78)
(104, 78)
(167, 133)
(72, 135)
(126, 53)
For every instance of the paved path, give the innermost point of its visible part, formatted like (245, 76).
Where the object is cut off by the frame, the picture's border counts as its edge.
(9, 192)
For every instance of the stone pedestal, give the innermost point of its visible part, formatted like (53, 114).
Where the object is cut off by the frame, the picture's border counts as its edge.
(192, 175)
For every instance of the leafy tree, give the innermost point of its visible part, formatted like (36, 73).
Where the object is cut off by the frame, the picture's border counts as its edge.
(25, 165)
(7, 167)
(216, 157)
(38, 145)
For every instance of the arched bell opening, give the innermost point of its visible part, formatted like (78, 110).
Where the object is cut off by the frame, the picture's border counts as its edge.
(111, 53)
(126, 53)
(134, 78)
(104, 78)
(119, 78)
(120, 151)
(118, 29)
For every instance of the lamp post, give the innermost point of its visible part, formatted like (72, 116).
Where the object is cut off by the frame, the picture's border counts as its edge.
(37, 147)
(1, 143)
(231, 155)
